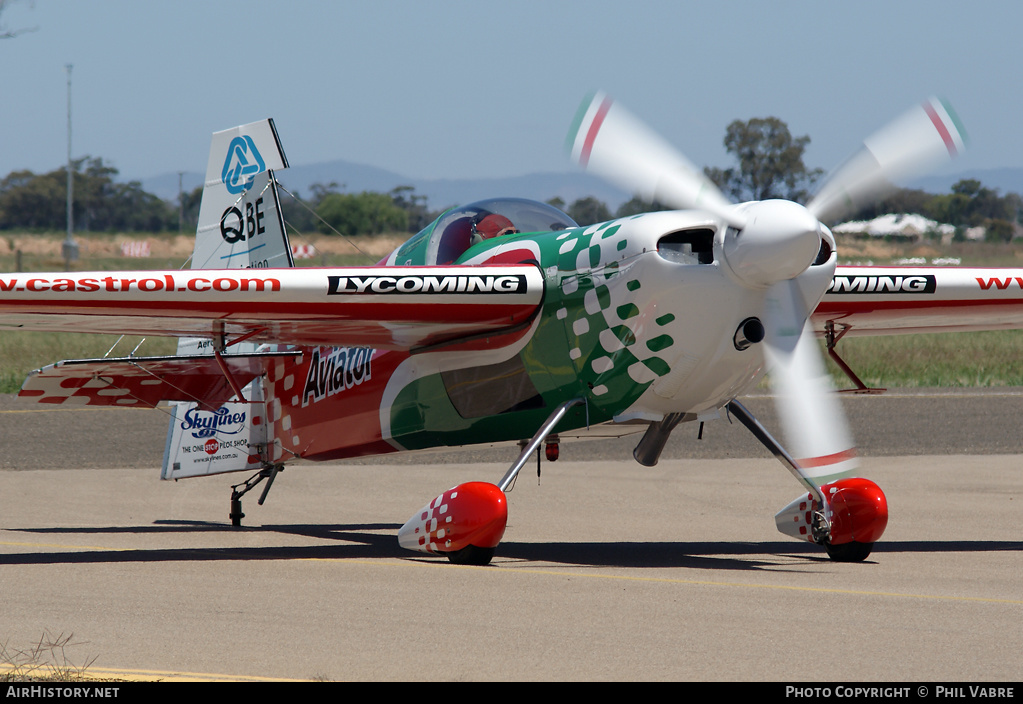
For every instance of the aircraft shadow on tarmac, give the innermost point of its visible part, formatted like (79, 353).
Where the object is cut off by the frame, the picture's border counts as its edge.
(377, 540)
(718, 555)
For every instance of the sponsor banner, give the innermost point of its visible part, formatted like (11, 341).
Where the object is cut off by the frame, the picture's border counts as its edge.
(229, 439)
(303, 251)
(999, 283)
(909, 284)
(135, 248)
(156, 282)
(334, 370)
(525, 283)
(427, 284)
(204, 424)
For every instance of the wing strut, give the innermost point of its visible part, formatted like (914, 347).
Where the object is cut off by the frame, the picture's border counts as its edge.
(832, 341)
(229, 376)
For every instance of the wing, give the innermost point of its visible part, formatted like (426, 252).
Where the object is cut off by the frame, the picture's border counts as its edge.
(902, 300)
(403, 308)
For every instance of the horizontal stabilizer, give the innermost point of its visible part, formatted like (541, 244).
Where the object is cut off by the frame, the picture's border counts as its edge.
(144, 382)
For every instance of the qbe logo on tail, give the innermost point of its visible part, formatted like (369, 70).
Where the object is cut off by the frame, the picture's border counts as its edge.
(242, 164)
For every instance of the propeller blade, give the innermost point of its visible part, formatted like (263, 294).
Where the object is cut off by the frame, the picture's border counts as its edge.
(607, 140)
(912, 144)
(811, 416)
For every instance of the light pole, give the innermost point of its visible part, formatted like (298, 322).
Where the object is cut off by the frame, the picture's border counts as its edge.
(181, 205)
(70, 247)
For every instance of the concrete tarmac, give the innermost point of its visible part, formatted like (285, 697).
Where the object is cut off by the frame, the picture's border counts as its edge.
(608, 570)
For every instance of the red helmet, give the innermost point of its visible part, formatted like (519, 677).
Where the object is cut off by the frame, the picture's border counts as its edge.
(493, 225)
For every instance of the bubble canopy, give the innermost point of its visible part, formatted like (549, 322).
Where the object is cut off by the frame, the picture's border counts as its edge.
(458, 229)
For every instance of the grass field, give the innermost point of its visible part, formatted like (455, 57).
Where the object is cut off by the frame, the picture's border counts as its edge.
(948, 359)
(103, 252)
(21, 352)
(956, 359)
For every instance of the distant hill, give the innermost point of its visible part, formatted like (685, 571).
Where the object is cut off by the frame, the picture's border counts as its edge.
(440, 193)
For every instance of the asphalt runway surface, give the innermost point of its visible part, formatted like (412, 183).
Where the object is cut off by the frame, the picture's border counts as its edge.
(608, 570)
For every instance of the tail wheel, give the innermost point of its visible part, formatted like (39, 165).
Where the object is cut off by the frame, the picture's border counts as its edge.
(472, 555)
(849, 552)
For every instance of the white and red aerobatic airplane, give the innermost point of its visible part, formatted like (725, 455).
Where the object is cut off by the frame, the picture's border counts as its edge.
(505, 321)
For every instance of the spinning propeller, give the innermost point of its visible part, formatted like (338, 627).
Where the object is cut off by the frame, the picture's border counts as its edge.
(770, 244)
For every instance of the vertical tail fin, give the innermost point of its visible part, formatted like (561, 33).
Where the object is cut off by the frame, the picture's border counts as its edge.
(240, 221)
(240, 226)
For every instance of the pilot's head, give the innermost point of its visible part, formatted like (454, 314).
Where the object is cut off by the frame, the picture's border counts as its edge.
(491, 225)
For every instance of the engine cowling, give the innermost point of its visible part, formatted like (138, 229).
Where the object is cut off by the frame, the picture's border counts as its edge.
(470, 514)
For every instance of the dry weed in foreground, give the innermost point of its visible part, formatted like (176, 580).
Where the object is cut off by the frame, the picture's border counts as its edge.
(46, 661)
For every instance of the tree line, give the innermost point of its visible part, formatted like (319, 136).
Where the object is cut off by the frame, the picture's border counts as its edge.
(38, 202)
(970, 204)
(768, 164)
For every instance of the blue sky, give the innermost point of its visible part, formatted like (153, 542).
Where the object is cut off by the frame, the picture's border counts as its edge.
(485, 89)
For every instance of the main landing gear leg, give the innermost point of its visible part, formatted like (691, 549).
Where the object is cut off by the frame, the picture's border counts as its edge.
(473, 555)
(466, 523)
(846, 523)
(269, 473)
(534, 443)
(767, 440)
(820, 529)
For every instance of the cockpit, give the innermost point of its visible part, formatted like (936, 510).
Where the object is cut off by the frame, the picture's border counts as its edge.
(453, 233)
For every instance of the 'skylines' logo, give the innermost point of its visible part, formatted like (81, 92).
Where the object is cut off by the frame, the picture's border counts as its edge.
(242, 164)
(206, 424)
